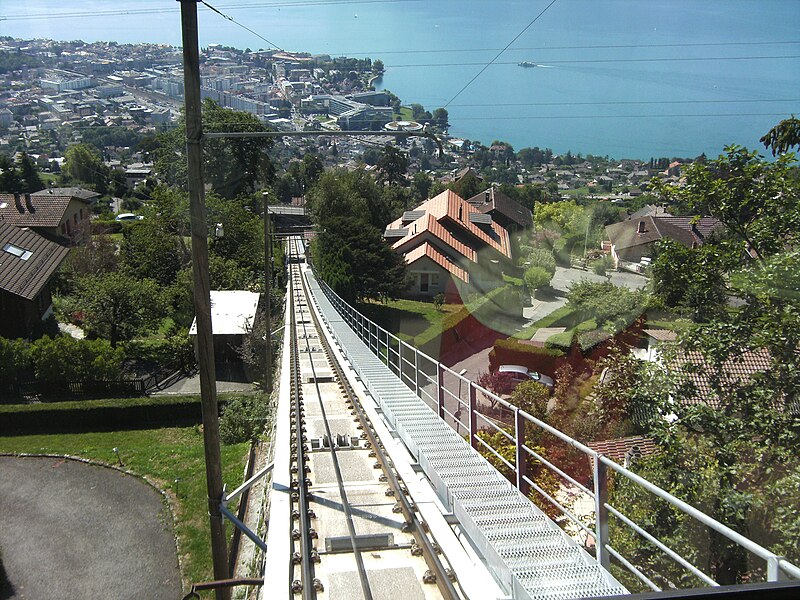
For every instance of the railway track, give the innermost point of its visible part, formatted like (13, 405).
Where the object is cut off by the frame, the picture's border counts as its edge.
(355, 532)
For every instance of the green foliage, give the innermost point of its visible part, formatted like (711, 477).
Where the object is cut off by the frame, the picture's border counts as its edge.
(438, 301)
(64, 358)
(467, 187)
(536, 277)
(532, 397)
(243, 419)
(783, 137)
(757, 201)
(690, 280)
(342, 193)
(14, 358)
(117, 307)
(565, 216)
(14, 61)
(607, 303)
(232, 166)
(541, 257)
(392, 165)
(421, 186)
(82, 162)
(353, 258)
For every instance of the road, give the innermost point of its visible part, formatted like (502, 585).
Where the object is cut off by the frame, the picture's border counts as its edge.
(73, 530)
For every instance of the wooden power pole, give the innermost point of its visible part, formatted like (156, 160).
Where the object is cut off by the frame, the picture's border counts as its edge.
(202, 292)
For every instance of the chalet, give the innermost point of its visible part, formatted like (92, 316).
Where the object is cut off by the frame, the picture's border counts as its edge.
(62, 217)
(508, 213)
(633, 240)
(27, 262)
(450, 247)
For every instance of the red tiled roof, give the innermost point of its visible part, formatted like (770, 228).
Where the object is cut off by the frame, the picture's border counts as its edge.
(450, 205)
(41, 211)
(735, 372)
(440, 259)
(662, 335)
(428, 224)
(618, 449)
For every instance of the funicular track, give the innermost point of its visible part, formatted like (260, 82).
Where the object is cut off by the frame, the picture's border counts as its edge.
(341, 474)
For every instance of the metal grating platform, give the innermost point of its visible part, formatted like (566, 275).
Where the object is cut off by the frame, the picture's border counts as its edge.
(528, 554)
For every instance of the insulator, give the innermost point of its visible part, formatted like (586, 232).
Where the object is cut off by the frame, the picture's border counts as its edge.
(429, 577)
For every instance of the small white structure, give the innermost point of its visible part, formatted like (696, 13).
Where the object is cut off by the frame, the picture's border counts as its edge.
(233, 314)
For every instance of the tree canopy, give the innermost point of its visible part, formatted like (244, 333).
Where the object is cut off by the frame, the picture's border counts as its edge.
(232, 166)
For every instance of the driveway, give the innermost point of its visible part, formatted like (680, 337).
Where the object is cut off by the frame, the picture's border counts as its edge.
(74, 530)
(547, 302)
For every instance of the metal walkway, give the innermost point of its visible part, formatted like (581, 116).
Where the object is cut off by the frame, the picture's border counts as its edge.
(528, 554)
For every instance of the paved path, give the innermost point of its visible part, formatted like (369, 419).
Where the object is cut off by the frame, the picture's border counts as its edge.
(72, 530)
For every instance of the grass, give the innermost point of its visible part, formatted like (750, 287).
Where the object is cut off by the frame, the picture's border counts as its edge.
(162, 456)
(406, 114)
(102, 403)
(547, 321)
(411, 320)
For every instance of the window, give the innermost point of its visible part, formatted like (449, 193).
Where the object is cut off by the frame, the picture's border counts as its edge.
(423, 282)
(17, 251)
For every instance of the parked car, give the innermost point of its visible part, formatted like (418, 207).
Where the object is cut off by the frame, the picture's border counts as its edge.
(518, 373)
(124, 217)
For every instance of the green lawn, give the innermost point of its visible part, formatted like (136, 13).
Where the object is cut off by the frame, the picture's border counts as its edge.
(162, 456)
(411, 320)
(406, 114)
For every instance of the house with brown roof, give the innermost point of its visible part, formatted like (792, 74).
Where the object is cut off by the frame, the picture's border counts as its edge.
(509, 213)
(27, 262)
(634, 239)
(450, 247)
(61, 217)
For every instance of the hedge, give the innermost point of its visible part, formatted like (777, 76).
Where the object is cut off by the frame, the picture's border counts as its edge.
(515, 352)
(99, 415)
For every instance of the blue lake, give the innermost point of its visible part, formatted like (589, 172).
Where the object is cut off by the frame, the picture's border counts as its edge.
(617, 77)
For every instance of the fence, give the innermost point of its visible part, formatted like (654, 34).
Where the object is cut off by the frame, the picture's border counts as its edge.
(88, 388)
(459, 402)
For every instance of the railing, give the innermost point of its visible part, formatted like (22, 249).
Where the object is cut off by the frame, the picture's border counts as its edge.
(458, 401)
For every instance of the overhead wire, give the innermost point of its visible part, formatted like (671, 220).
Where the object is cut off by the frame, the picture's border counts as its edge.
(478, 74)
(245, 27)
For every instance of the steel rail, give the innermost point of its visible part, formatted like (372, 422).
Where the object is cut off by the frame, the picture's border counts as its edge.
(430, 554)
(306, 564)
(362, 572)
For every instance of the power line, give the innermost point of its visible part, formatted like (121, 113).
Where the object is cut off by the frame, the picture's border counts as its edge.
(234, 21)
(625, 102)
(593, 47)
(478, 74)
(646, 116)
(598, 60)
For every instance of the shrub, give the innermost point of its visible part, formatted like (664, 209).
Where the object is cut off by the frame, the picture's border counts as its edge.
(64, 358)
(536, 278)
(540, 257)
(243, 419)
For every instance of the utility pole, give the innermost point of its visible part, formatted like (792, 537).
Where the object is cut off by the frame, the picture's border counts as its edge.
(267, 292)
(202, 292)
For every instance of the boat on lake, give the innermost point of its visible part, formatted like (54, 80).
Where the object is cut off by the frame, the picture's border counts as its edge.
(527, 64)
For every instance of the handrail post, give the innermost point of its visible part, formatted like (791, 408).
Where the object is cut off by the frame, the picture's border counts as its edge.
(416, 372)
(774, 572)
(400, 359)
(521, 457)
(473, 419)
(601, 513)
(440, 388)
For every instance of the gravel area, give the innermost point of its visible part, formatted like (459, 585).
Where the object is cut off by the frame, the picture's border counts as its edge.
(74, 530)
